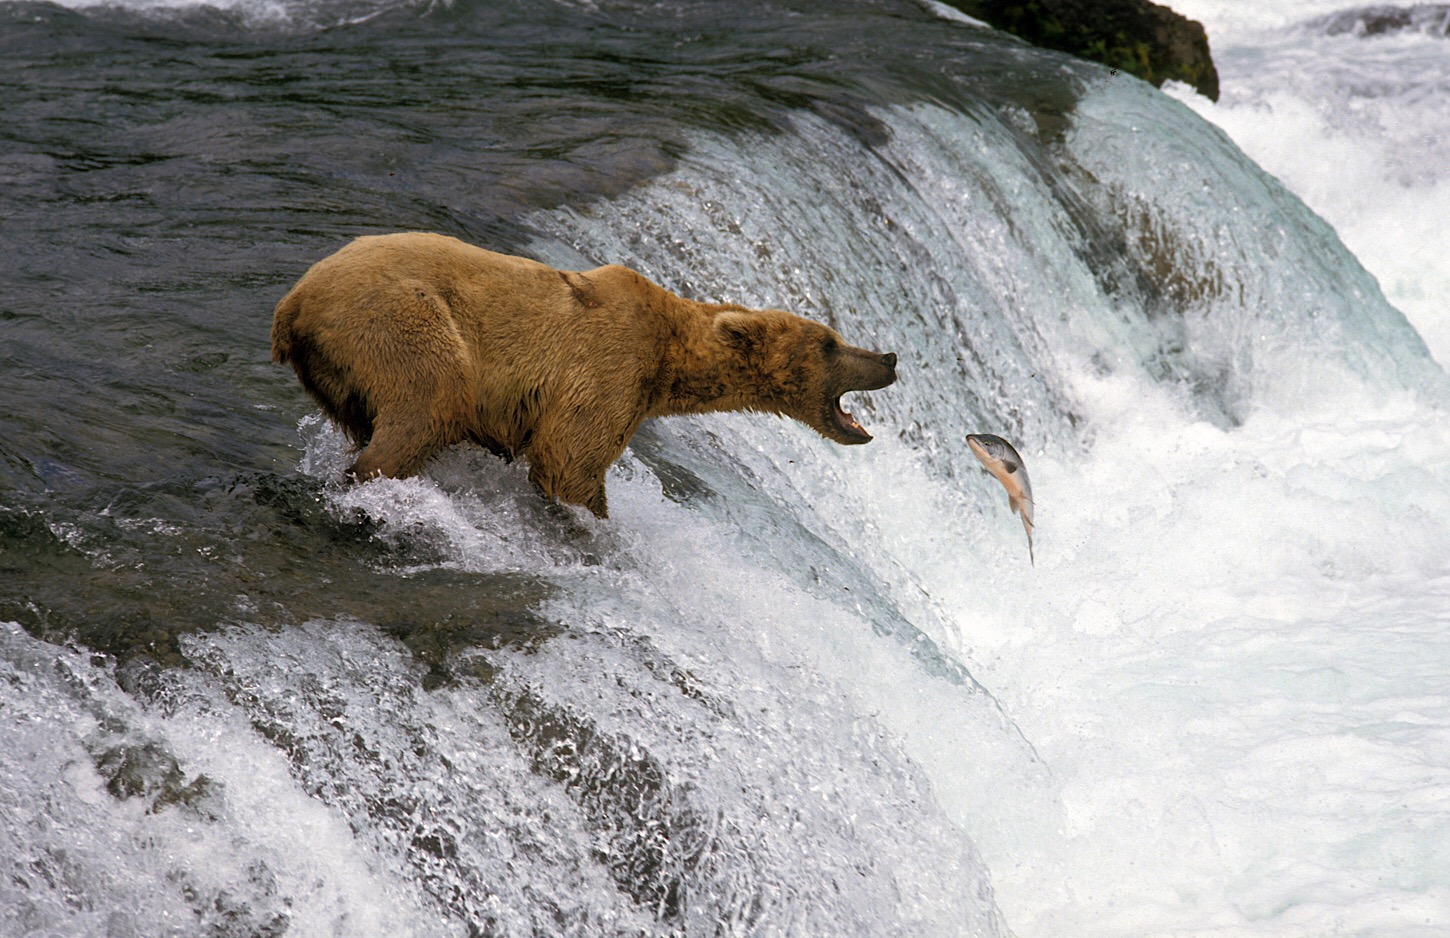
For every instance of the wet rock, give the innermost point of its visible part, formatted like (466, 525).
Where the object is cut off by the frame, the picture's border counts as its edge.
(1141, 38)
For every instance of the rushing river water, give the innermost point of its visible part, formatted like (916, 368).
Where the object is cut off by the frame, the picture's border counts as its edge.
(788, 688)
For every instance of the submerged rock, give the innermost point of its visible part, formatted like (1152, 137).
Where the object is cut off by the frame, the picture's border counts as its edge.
(146, 769)
(1136, 36)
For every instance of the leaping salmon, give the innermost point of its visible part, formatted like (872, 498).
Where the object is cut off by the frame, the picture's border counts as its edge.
(1006, 466)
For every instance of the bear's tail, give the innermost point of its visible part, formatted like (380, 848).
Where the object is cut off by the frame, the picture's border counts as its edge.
(283, 320)
(331, 385)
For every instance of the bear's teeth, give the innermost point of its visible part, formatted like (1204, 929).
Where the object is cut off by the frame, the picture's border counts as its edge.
(846, 420)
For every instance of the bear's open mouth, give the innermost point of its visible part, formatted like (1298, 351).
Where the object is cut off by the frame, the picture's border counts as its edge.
(848, 425)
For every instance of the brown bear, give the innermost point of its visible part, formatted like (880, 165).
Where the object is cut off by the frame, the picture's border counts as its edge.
(412, 342)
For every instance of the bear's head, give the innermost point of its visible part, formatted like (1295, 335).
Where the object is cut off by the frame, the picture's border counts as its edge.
(804, 368)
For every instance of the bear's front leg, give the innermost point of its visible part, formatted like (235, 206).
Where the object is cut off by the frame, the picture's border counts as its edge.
(570, 484)
(569, 453)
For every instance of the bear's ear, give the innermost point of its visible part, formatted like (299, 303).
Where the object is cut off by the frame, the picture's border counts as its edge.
(739, 329)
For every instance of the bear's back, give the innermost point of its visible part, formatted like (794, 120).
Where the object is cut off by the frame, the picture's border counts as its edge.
(389, 285)
(446, 265)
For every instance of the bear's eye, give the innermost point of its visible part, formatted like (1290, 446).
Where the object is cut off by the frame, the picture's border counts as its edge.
(830, 345)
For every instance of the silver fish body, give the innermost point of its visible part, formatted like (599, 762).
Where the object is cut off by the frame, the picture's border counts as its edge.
(1006, 466)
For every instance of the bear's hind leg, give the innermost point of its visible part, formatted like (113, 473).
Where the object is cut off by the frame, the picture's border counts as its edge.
(400, 447)
(422, 387)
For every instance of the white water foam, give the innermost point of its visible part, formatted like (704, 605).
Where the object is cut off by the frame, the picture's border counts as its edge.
(1231, 655)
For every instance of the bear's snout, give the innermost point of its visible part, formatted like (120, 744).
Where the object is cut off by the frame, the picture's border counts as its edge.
(873, 371)
(889, 360)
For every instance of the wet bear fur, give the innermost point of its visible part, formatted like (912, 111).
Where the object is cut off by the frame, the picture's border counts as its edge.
(413, 342)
